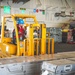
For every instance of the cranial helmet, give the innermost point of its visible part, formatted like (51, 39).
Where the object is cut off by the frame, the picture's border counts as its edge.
(20, 21)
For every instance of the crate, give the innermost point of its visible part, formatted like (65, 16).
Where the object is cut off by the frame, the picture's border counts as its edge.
(58, 67)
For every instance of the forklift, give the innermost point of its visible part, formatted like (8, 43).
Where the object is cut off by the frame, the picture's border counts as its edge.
(30, 45)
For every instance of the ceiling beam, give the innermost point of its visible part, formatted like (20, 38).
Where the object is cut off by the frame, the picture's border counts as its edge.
(14, 1)
(0, 0)
(17, 1)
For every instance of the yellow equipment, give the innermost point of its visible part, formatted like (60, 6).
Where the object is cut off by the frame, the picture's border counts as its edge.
(29, 46)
